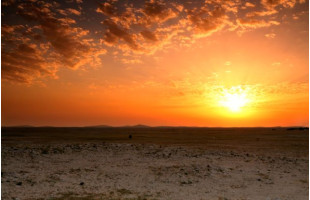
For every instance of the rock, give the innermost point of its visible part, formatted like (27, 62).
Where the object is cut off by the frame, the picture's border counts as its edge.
(44, 151)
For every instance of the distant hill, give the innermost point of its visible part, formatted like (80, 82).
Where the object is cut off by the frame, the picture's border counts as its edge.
(137, 126)
(20, 126)
(99, 126)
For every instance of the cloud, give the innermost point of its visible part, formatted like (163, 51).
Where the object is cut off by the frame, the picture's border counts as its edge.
(131, 24)
(131, 61)
(148, 35)
(67, 41)
(134, 28)
(206, 22)
(156, 25)
(262, 13)
(255, 23)
(270, 35)
(48, 42)
(7, 2)
(249, 5)
(158, 11)
(128, 18)
(24, 64)
(264, 16)
(9, 29)
(271, 4)
(115, 33)
(73, 11)
(107, 8)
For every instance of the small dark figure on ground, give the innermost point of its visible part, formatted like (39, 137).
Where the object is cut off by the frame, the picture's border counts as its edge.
(130, 136)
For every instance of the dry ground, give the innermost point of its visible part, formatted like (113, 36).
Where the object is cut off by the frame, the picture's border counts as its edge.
(157, 163)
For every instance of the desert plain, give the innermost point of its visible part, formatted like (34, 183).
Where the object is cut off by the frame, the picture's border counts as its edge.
(155, 163)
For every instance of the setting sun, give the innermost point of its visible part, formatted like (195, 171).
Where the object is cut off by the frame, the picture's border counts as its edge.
(234, 100)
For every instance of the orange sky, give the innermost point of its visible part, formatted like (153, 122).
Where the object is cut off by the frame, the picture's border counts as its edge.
(190, 63)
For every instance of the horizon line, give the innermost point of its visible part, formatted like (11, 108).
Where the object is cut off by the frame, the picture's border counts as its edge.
(146, 126)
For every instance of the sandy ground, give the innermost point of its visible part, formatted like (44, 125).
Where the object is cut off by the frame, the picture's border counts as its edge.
(88, 170)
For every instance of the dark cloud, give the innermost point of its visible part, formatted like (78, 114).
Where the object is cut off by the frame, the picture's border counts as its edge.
(49, 39)
(205, 21)
(148, 35)
(9, 29)
(24, 64)
(125, 25)
(107, 8)
(64, 39)
(158, 11)
(7, 2)
(115, 33)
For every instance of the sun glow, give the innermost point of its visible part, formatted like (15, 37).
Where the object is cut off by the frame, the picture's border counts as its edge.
(234, 99)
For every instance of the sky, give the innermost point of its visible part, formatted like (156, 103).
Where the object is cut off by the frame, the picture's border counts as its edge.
(212, 63)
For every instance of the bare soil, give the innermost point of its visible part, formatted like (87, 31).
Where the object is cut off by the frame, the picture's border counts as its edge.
(155, 163)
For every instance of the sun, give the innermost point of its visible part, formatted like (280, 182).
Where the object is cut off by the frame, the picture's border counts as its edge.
(234, 99)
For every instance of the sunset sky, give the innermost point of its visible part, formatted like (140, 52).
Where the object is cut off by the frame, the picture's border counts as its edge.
(190, 63)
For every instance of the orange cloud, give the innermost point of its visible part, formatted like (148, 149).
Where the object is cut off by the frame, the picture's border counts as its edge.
(134, 29)
(250, 5)
(107, 9)
(157, 11)
(73, 11)
(24, 64)
(115, 33)
(148, 35)
(270, 4)
(270, 35)
(205, 21)
(255, 23)
(62, 42)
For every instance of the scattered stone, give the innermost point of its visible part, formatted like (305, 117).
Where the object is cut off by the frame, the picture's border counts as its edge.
(81, 183)
(19, 183)
(186, 182)
(44, 151)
